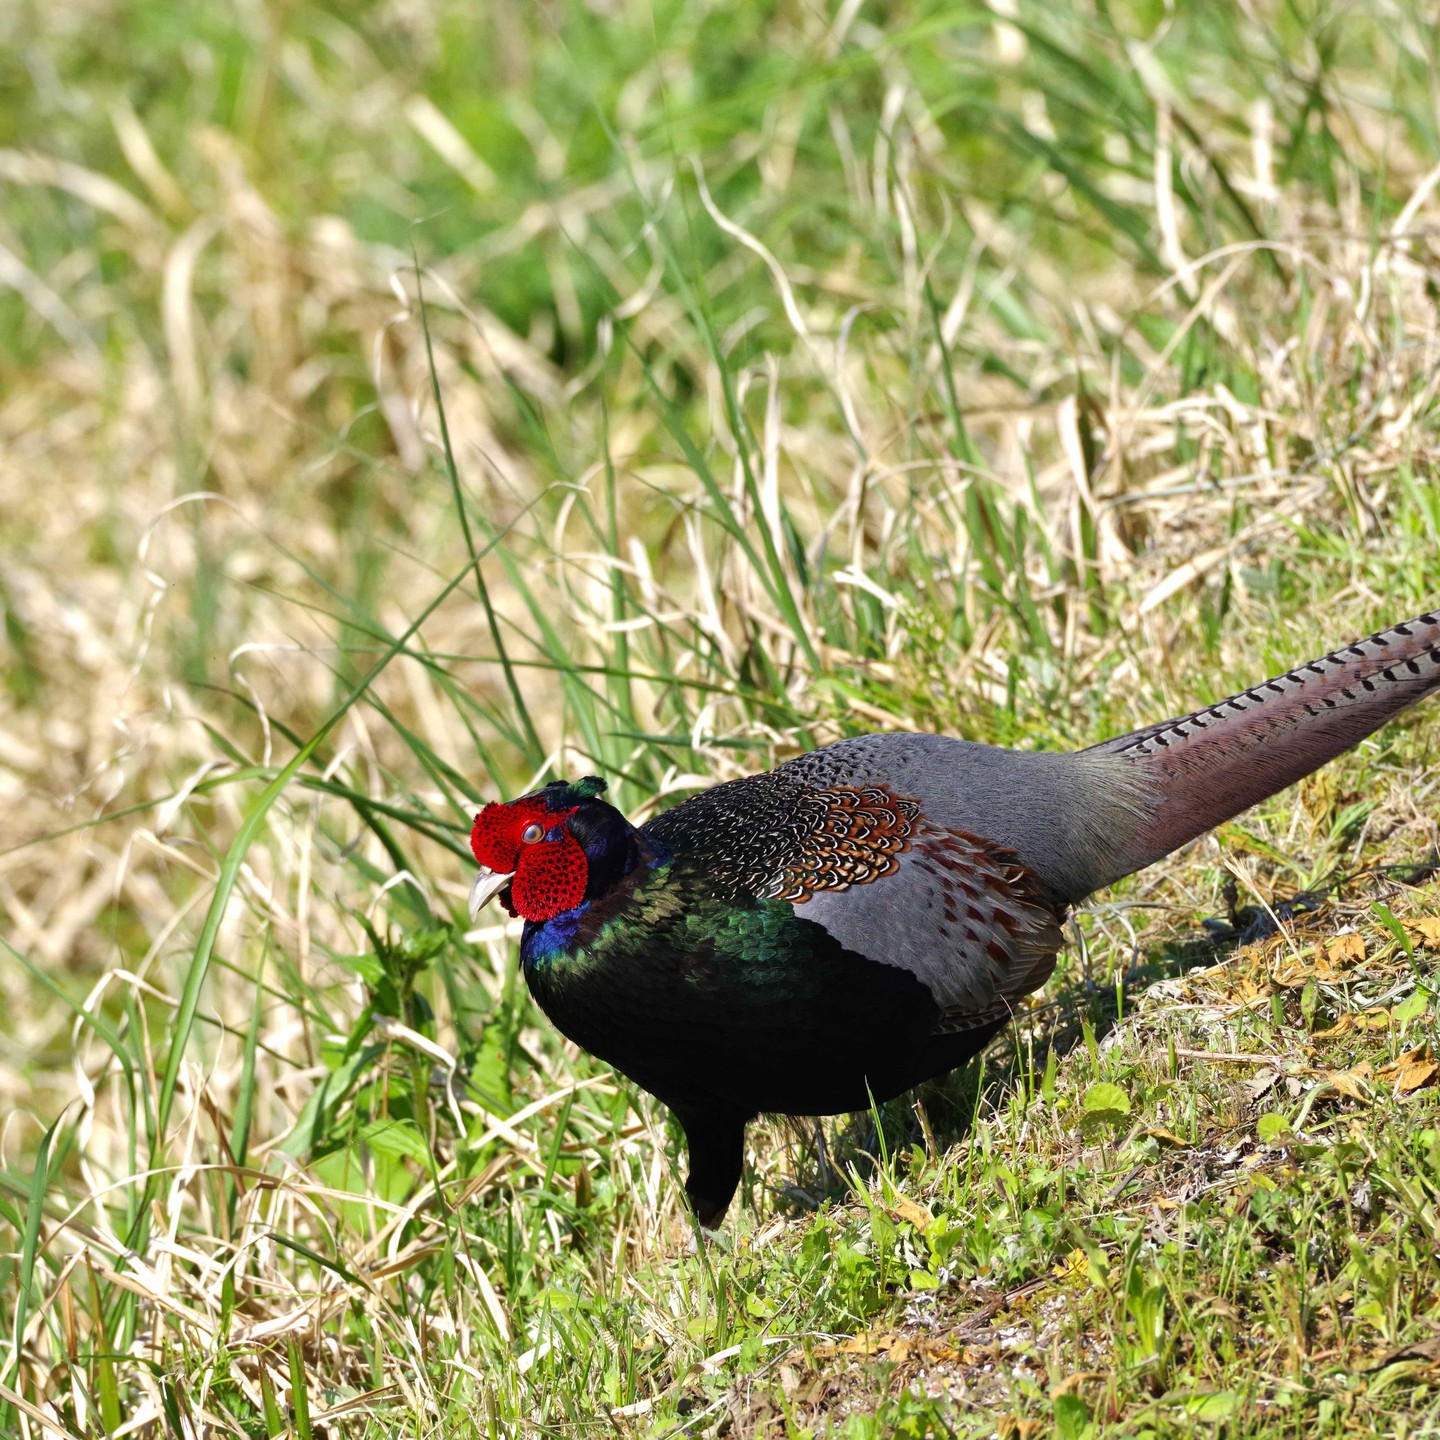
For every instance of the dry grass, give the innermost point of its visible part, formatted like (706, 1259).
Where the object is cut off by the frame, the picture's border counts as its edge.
(858, 423)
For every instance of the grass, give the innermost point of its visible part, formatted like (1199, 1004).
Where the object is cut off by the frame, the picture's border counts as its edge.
(409, 403)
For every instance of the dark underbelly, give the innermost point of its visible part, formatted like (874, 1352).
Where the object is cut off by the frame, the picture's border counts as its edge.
(825, 1035)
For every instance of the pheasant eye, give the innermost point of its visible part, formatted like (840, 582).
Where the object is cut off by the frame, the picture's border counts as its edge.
(531, 833)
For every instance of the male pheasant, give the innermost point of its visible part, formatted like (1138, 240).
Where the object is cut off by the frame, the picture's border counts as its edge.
(865, 917)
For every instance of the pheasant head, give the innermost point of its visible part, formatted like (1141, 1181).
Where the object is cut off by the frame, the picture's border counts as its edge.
(551, 850)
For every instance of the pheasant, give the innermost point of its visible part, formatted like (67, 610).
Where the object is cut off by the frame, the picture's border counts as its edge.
(866, 916)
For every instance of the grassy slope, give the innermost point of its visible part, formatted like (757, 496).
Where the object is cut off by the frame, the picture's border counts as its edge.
(1027, 378)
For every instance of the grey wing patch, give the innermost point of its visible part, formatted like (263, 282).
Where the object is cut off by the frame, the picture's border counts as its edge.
(960, 915)
(1065, 817)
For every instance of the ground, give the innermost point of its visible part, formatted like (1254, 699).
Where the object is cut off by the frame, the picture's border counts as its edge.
(406, 403)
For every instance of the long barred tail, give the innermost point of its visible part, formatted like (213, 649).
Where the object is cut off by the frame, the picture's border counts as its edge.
(1207, 767)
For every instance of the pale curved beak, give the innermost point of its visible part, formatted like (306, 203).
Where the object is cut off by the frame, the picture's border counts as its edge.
(486, 886)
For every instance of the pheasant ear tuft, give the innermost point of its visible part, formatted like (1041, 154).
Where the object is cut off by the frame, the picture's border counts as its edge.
(588, 787)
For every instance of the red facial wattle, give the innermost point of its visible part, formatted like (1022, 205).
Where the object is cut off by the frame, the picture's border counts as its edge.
(551, 877)
(495, 838)
(549, 869)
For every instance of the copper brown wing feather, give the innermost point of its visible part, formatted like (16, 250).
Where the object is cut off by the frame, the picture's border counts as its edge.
(770, 837)
(962, 915)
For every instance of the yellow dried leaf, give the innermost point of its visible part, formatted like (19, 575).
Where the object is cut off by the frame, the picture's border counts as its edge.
(1376, 1018)
(1292, 973)
(1352, 1082)
(1423, 1354)
(1320, 793)
(871, 1342)
(1012, 1427)
(904, 1208)
(1426, 931)
(1166, 1137)
(894, 1347)
(1072, 1266)
(1411, 1071)
(1346, 949)
(1076, 1383)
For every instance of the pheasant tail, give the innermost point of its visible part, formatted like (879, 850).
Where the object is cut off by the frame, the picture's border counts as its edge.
(1207, 767)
